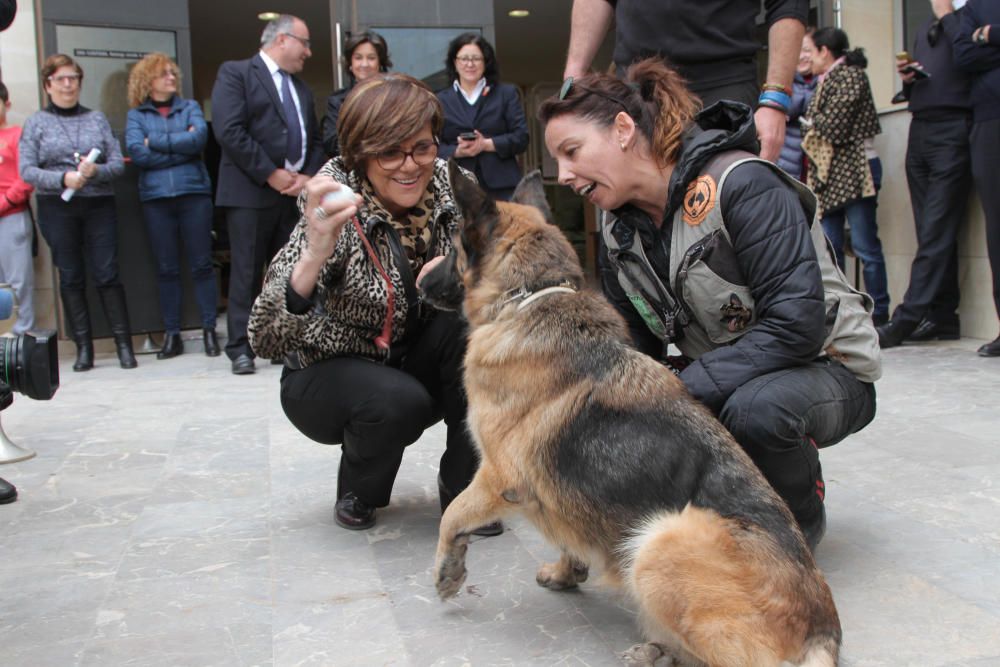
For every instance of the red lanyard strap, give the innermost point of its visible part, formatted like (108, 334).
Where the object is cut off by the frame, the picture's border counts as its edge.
(383, 340)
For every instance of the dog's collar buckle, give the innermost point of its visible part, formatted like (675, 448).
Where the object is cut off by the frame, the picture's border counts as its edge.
(525, 296)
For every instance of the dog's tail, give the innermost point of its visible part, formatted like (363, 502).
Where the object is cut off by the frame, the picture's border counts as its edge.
(722, 591)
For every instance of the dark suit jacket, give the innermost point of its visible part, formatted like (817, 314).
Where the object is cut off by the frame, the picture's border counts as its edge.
(498, 115)
(249, 123)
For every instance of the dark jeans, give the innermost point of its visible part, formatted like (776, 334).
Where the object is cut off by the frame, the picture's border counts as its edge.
(861, 215)
(937, 172)
(782, 419)
(376, 411)
(83, 227)
(985, 145)
(186, 218)
(255, 235)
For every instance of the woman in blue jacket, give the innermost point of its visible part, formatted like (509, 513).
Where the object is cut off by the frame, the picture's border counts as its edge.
(484, 124)
(165, 135)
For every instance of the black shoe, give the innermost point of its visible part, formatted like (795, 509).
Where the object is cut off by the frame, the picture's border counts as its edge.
(243, 365)
(354, 514)
(490, 529)
(894, 332)
(930, 330)
(8, 493)
(84, 356)
(211, 342)
(126, 356)
(813, 529)
(990, 349)
(172, 346)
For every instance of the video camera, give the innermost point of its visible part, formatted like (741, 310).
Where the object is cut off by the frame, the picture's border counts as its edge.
(29, 363)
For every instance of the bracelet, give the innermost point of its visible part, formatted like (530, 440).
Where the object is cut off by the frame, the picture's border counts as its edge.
(781, 88)
(775, 100)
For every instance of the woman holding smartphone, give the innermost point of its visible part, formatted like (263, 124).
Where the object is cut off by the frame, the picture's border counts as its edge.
(484, 124)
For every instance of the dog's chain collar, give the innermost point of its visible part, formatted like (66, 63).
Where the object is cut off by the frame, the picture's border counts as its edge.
(525, 296)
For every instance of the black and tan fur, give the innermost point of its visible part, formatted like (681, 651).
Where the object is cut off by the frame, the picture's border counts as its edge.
(604, 451)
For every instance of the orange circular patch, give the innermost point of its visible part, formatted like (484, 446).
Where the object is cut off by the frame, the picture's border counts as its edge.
(699, 200)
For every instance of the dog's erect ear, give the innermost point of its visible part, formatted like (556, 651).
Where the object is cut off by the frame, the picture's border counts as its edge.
(531, 192)
(479, 212)
(471, 199)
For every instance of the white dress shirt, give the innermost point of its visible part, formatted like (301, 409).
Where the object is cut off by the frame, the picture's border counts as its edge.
(275, 71)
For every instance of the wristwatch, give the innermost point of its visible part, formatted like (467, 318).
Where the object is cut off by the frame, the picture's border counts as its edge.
(981, 37)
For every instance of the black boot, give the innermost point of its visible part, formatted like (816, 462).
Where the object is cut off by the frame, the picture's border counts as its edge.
(894, 332)
(211, 343)
(8, 493)
(113, 299)
(78, 327)
(172, 346)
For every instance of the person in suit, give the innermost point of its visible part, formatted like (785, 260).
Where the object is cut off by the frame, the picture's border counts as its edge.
(263, 119)
(484, 124)
(368, 55)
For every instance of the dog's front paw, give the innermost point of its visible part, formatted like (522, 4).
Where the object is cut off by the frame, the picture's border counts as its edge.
(451, 572)
(647, 655)
(561, 575)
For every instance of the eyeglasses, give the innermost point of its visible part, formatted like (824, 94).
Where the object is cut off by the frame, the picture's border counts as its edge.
(469, 60)
(568, 85)
(302, 40)
(422, 154)
(63, 79)
(168, 74)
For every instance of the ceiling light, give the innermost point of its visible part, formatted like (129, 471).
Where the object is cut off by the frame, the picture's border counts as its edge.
(268, 16)
(518, 13)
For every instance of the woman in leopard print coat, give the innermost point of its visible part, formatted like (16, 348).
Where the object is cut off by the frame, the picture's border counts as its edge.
(369, 367)
(844, 170)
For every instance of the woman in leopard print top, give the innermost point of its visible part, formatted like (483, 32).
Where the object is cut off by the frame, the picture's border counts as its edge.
(369, 367)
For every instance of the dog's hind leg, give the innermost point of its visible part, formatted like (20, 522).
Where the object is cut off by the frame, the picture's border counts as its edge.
(479, 504)
(565, 573)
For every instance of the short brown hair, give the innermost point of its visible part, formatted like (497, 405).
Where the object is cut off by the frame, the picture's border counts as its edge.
(381, 113)
(54, 62)
(653, 94)
(378, 43)
(140, 79)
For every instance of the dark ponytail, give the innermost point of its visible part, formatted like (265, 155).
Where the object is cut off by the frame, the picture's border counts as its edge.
(836, 41)
(653, 94)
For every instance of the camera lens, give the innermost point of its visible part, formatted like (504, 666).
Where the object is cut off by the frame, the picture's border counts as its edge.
(29, 364)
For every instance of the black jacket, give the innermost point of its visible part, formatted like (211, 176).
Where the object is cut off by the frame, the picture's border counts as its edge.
(981, 61)
(497, 114)
(249, 123)
(946, 91)
(331, 144)
(770, 234)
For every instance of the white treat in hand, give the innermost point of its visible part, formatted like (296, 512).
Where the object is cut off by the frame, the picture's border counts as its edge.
(343, 194)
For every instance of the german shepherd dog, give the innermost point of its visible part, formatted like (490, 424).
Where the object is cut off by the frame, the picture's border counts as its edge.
(605, 452)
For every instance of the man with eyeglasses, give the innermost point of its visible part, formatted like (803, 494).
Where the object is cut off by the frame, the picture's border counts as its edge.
(263, 119)
(712, 43)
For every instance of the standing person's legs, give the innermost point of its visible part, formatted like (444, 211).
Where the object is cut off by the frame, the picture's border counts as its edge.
(384, 411)
(195, 214)
(985, 146)
(243, 234)
(101, 240)
(286, 217)
(861, 215)
(17, 267)
(833, 227)
(781, 419)
(163, 223)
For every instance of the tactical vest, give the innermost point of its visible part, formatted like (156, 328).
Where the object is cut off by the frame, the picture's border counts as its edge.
(707, 302)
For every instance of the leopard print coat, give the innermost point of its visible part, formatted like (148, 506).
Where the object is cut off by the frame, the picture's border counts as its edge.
(843, 115)
(350, 300)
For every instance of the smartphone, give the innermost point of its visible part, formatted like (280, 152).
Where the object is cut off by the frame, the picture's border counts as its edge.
(468, 136)
(920, 72)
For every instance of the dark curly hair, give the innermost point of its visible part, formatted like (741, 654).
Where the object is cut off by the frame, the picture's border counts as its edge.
(491, 71)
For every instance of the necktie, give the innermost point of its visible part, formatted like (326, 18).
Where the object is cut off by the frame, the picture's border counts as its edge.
(294, 149)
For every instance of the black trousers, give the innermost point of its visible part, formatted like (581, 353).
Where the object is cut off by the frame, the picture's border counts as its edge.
(376, 411)
(985, 149)
(255, 235)
(80, 232)
(782, 419)
(937, 172)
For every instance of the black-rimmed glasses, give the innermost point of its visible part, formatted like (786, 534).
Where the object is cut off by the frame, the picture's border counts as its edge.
(422, 155)
(568, 84)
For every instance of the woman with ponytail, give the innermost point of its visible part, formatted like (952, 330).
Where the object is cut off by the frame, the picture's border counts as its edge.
(705, 246)
(844, 170)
